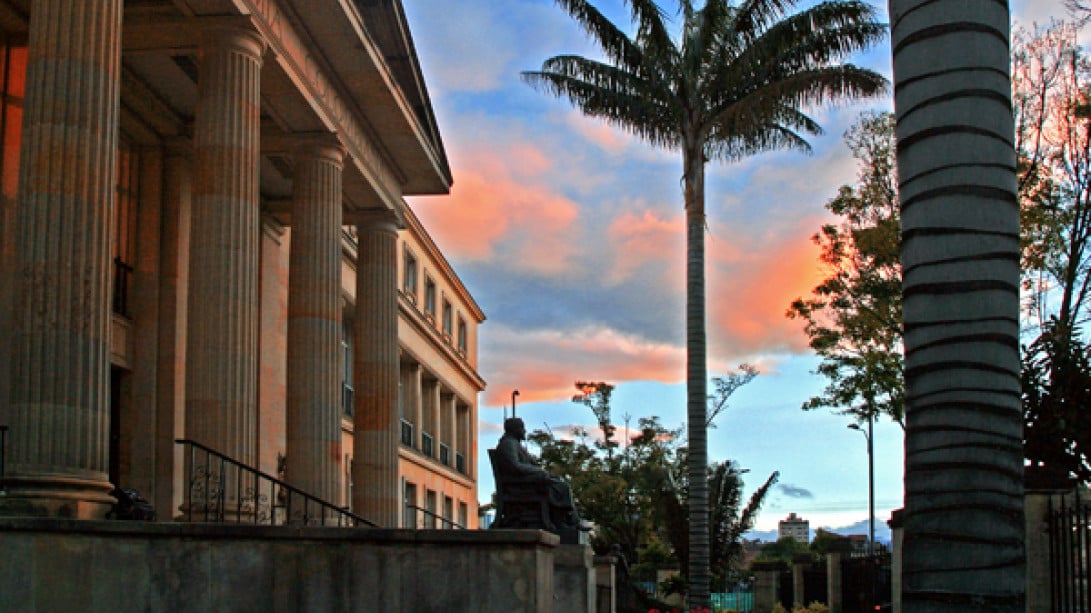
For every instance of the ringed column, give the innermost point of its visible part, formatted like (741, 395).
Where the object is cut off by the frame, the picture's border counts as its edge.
(222, 335)
(57, 446)
(314, 320)
(375, 481)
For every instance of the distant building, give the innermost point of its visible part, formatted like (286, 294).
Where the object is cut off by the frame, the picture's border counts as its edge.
(795, 527)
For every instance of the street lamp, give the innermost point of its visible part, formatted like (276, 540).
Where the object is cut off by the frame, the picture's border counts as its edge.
(514, 393)
(870, 494)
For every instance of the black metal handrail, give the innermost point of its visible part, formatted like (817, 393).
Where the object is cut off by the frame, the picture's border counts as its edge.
(454, 525)
(257, 498)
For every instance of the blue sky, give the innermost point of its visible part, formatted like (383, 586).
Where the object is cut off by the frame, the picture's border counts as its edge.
(569, 233)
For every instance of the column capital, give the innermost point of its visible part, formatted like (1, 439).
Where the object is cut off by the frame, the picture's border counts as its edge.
(387, 220)
(232, 34)
(321, 145)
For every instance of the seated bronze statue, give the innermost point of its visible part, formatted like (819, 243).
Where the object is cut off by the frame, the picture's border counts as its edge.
(527, 496)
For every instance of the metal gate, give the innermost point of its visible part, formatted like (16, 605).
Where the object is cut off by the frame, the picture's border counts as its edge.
(1070, 562)
(865, 584)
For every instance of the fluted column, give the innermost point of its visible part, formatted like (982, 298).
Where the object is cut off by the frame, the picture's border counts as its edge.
(375, 442)
(314, 321)
(222, 344)
(60, 340)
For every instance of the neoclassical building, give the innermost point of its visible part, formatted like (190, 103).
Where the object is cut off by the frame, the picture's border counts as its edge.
(203, 235)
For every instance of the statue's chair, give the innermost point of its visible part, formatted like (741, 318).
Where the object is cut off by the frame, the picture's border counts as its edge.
(521, 502)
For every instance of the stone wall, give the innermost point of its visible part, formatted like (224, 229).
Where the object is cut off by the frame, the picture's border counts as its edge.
(66, 565)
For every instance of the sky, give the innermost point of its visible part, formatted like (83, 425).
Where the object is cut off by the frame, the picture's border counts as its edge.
(570, 235)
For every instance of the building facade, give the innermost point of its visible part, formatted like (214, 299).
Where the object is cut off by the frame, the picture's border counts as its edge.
(795, 527)
(203, 235)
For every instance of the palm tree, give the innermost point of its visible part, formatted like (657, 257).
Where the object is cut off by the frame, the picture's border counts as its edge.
(964, 526)
(735, 82)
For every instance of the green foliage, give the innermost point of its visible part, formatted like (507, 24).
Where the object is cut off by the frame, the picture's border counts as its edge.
(1056, 382)
(638, 496)
(785, 549)
(853, 318)
(825, 542)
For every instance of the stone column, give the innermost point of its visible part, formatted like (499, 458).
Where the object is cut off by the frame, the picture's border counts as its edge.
(834, 584)
(221, 368)
(314, 321)
(173, 283)
(766, 587)
(375, 442)
(59, 409)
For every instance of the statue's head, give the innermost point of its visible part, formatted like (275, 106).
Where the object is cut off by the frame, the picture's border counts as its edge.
(515, 427)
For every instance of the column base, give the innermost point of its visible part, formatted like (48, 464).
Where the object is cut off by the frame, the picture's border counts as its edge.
(66, 497)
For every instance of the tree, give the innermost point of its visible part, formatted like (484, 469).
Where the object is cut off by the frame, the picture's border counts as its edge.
(727, 518)
(723, 387)
(964, 525)
(854, 317)
(1052, 76)
(596, 396)
(785, 549)
(733, 83)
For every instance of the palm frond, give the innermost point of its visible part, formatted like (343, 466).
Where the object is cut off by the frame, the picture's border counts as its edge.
(800, 42)
(617, 46)
(753, 16)
(606, 92)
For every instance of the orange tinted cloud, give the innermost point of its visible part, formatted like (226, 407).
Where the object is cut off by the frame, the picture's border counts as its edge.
(748, 299)
(639, 238)
(544, 364)
(497, 211)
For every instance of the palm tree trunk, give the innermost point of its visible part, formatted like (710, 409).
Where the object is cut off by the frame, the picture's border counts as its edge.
(696, 379)
(964, 527)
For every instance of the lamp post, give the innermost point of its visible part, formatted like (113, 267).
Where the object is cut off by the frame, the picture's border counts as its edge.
(514, 393)
(870, 492)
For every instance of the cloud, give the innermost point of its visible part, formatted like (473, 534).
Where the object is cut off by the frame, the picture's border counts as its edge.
(488, 427)
(749, 293)
(496, 212)
(793, 491)
(543, 364)
(641, 238)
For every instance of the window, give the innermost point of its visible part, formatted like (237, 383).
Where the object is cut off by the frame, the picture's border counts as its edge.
(448, 511)
(430, 298)
(410, 520)
(462, 336)
(347, 391)
(409, 275)
(448, 317)
(430, 508)
(463, 515)
(128, 191)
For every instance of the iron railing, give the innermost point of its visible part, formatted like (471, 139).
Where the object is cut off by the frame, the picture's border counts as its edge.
(1070, 557)
(221, 489)
(453, 525)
